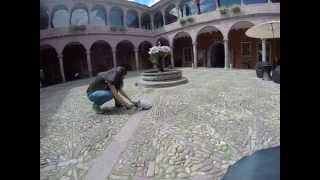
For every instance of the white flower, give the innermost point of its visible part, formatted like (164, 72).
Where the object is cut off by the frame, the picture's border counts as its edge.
(157, 49)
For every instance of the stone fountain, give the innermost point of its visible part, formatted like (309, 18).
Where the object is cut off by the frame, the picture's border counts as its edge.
(161, 77)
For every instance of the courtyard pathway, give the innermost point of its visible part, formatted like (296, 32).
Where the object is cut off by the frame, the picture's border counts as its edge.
(193, 131)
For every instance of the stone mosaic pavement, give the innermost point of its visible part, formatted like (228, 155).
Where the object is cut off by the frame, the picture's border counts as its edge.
(193, 131)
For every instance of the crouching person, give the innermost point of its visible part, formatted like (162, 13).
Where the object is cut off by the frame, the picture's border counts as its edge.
(107, 86)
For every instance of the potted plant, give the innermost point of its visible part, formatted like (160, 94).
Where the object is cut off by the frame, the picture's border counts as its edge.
(223, 10)
(113, 28)
(235, 8)
(190, 19)
(182, 21)
(158, 56)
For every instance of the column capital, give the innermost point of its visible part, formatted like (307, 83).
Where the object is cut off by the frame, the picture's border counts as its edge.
(225, 40)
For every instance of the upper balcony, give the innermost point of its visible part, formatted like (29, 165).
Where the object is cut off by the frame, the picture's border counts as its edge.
(96, 19)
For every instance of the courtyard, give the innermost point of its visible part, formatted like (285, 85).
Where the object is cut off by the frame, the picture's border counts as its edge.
(193, 131)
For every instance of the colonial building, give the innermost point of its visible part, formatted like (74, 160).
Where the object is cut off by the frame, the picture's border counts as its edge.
(79, 38)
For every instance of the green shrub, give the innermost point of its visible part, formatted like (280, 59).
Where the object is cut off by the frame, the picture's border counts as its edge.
(75, 28)
(190, 19)
(223, 10)
(235, 8)
(182, 21)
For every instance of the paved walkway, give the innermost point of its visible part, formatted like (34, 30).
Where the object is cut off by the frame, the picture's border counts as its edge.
(193, 131)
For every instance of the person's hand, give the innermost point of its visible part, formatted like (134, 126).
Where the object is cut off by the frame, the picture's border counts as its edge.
(135, 103)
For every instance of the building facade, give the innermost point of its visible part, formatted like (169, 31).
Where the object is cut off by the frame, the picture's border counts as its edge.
(79, 38)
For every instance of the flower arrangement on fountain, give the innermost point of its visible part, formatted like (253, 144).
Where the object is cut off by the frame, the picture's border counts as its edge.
(158, 56)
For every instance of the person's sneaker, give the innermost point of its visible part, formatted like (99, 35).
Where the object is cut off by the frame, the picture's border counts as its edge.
(97, 109)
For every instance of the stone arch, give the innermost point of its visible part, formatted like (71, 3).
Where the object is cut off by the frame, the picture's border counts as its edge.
(125, 54)
(101, 56)
(207, 37)
(75, 61)
(78, 10)
(49, 66)
(116, 15)
(243, 49)
(163, 41)
(146, 21)
(158, 20)
(143, 49)
(44, 17)
(64, 13)
(171, 14)
(98, 15)
(132, 18)
(182, 49)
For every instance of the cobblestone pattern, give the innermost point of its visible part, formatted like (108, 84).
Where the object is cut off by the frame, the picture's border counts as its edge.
(195, 129)
(203, 127)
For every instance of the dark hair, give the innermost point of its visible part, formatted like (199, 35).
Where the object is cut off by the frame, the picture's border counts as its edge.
(121, 72)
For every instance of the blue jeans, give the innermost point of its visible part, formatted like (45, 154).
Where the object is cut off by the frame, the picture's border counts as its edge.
(100, 97)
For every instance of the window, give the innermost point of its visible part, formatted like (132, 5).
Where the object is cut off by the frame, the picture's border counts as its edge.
(79, 17)
(98, 16)
(171, 14)
(132, 19)
(60, 18)
(116, 16)
(44, 18)
(146, 21)
(158, 20)
(245, 49)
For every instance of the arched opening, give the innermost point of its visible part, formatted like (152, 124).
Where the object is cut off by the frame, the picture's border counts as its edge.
(164, 42)
(182, 50)
(187, 8)
(146, 21)
(49, 66)
(144, 62)
(209, 50)
(75, 62)
(171, 14)
(98, 16)
(44, 18)
(132, 19)
(60, 17)
(216, 51)
(101, 57)
(158, 20)
(80, 15)
(125, 55)
(116, 16)
(243, 49)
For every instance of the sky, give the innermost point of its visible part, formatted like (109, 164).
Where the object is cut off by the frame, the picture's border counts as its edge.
(146, 2)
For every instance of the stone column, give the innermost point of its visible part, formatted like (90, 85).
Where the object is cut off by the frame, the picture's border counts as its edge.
(125, 18)
(195, 55)
(152, 24)
(171, 57)
(178, 10)
(163, 17)
(140, 23)
(114, 57)
(136, 55)
(108, 15)
(89, 63)
(60, 56)
(217, 4)
(264, 50)
(226, 53)
(269, 1)
(242, 3)
(49, 20)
